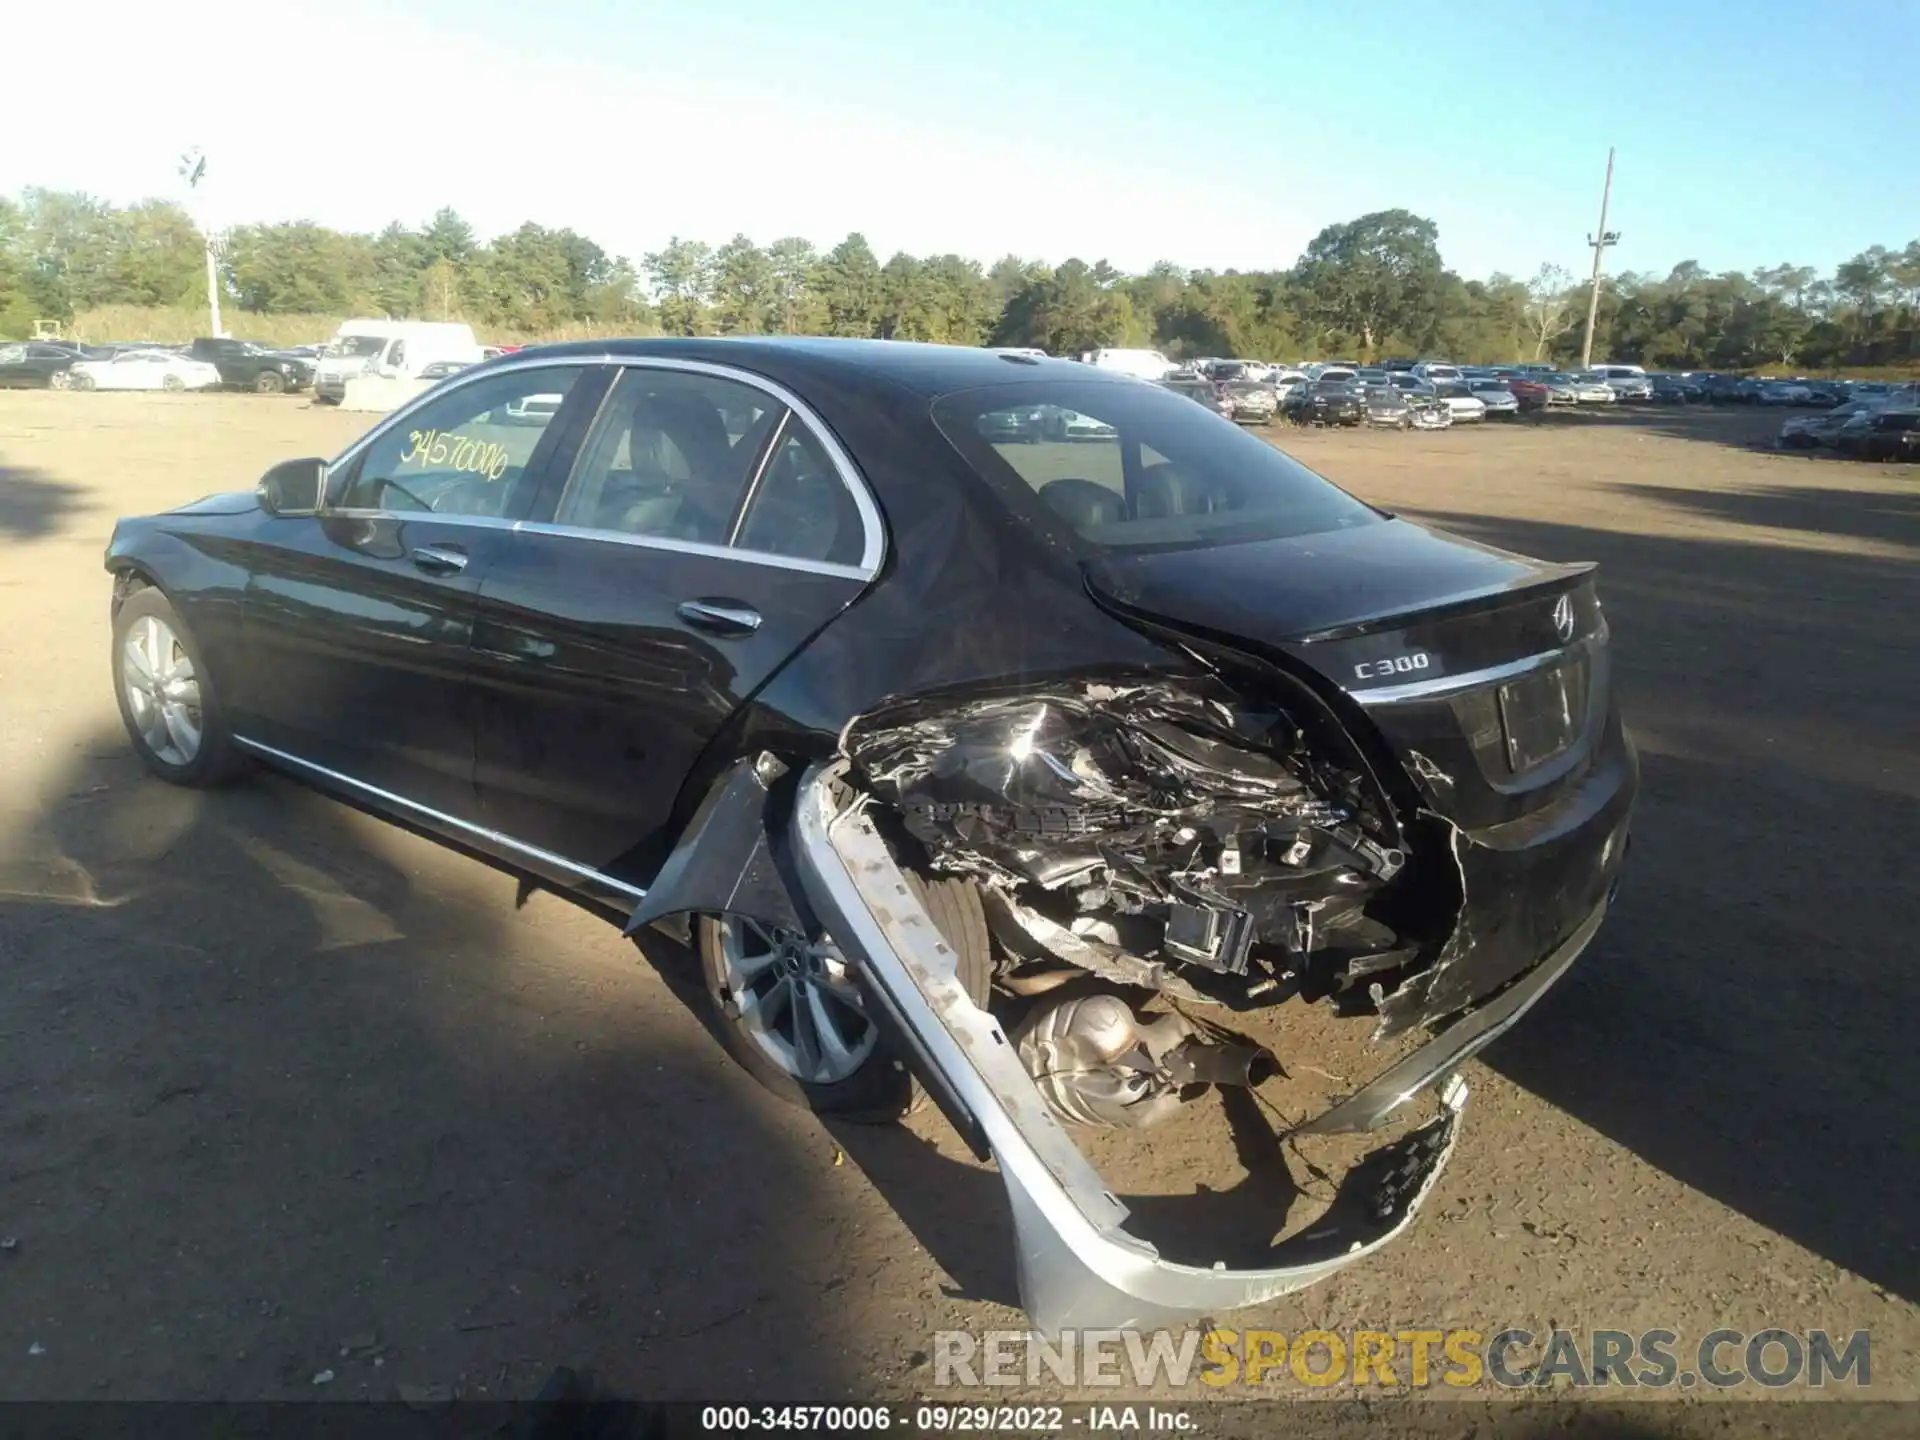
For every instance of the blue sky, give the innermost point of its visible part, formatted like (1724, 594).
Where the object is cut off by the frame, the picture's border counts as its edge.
(1220, 134)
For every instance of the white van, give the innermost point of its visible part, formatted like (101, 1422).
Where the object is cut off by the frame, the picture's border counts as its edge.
(1141, 364)
(1436, 371)
(390, 349)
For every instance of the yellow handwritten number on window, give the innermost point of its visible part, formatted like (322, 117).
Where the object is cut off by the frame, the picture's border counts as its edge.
(440, 450)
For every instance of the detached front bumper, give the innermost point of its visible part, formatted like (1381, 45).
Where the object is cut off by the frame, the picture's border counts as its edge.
(1078, 1266)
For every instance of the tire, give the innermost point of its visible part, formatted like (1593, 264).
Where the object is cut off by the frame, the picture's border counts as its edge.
(59, 380)
(879, 1088)
(269, 382)
(172, 384)
(320, 399)
(148, 622)
(81, 382)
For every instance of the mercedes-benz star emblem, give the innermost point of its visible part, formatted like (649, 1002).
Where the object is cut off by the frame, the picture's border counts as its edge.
(1563, 617)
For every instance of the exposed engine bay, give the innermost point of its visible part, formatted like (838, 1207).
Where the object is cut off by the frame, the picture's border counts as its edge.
(1160, 835)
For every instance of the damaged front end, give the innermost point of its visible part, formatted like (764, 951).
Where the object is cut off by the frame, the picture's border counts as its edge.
(1156, 857)
(1157, 833)
(1078, 1264)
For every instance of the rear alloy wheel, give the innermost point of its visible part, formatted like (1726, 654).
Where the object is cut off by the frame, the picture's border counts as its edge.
(80, 382)
(59, 380)
(172, 384)
(166, 700)
(791, 1012)
(269, 382)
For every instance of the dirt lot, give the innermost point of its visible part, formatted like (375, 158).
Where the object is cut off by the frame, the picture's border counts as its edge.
(275, 1077)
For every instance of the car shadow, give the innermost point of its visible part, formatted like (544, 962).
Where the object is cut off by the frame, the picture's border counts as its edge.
(1879, 515)
(34, 506)
(287, 1093)
(1745, 1020)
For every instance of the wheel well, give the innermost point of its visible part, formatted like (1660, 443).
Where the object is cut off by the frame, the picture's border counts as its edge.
(128, 580)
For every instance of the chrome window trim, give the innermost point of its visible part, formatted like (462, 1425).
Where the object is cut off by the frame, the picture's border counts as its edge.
(744, 506)
(607, 537)
(429, 517)
(873, 550)
(696, 547)
(1444, 685)
(489, 839)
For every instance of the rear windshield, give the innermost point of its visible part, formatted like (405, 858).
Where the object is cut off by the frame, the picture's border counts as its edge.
(1135, 467)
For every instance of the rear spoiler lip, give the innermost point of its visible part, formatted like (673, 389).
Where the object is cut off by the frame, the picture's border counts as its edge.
(1465, 602)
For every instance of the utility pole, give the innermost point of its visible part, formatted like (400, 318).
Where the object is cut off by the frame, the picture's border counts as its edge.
(193, 169)
(1607, 237)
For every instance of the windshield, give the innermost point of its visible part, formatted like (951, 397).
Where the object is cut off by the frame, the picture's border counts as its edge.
(1128, 467)
(357, 345)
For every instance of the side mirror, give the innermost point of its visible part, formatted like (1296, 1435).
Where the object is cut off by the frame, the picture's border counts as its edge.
(293, 488)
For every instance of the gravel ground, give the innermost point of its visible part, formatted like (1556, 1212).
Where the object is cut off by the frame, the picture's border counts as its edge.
(278, 1081)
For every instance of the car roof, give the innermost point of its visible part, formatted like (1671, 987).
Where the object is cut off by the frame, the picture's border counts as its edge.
(926, 369)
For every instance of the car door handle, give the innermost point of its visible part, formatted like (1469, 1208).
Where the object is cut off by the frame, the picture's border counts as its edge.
(440, 559)
(722, 617)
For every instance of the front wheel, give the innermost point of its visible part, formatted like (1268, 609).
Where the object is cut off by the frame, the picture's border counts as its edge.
(166, 698)
(172, 384)
(269, 382)
(790, 1011)
(80, 382)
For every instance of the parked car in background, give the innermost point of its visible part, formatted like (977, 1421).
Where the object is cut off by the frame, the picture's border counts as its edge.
(1250, 402)
(1141, 364)
(1326, 402)
(389, 349)
(1465, 405)
(246, 366)
(36, 365)
(1426, 411)
(1497, 396)
(1591, 388)
(1199, 389)
(1822, 427)
(1387, 407)
(1628, 382)
(145, 370)
(1436, 371)
(1672, 390)
(441, 369)
(1783, 392)
(1372, 375)
(1336, 375)
(1536, 392)
(1283, 381)
(1885, 435)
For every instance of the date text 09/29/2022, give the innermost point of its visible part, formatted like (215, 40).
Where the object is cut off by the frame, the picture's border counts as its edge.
(948, 1419)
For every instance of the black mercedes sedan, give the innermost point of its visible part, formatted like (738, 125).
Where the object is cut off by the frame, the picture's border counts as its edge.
(992, 727)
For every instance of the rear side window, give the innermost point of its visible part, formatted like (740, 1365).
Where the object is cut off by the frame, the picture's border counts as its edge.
(799, 507)
(1137, 467)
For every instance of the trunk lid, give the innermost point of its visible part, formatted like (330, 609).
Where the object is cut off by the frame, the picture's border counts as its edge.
(1483, 671)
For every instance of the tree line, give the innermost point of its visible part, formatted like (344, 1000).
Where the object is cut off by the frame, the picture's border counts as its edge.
(1368, 289)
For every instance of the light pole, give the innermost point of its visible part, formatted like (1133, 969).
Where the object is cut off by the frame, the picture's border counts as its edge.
(193, 169)
(1607, 237)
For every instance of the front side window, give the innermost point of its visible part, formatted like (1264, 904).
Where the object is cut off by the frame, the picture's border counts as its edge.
(464, 453)
(670, 457)
(1136, 467)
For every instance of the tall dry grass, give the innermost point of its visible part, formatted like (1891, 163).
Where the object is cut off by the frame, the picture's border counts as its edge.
(176, 325)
